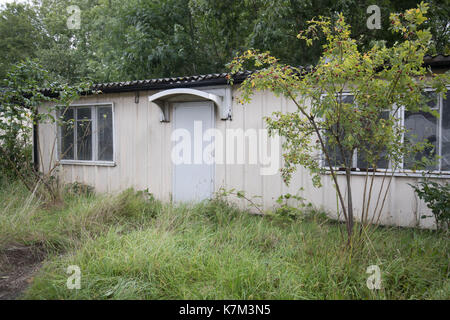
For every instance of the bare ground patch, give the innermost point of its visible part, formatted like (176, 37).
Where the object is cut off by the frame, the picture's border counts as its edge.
(18, 264)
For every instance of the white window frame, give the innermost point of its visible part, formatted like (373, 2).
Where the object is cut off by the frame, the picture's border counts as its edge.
(94, 120)
(401, 171)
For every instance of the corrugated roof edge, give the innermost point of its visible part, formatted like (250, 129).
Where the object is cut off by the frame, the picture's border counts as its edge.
(439, 60)
(173, 82)
(213, 79)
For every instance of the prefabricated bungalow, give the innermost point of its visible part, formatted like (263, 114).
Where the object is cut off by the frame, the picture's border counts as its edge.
(185, 138)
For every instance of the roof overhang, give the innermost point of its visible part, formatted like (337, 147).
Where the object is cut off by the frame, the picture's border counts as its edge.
(221, 97)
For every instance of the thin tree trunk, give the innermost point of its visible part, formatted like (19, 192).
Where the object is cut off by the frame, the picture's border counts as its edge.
(349, 205)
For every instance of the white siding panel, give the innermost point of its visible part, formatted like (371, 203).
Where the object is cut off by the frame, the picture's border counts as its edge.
(253, 119)
(235, 173)
(271, 183)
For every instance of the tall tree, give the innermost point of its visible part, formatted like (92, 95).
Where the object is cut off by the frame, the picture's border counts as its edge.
(125, 40)
(381, 80)
(20, 35)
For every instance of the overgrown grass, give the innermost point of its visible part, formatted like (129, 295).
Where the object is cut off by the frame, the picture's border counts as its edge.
(64, 226)
(131, 248)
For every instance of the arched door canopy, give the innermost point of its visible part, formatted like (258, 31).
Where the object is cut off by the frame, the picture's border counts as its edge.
(220, 97)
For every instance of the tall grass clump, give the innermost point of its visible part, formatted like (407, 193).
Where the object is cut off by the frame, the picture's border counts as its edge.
(26, 220)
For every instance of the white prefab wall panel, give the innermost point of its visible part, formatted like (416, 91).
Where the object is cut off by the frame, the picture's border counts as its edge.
(143, 160)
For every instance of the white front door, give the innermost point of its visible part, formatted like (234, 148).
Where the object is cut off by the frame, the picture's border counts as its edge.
(193, 180)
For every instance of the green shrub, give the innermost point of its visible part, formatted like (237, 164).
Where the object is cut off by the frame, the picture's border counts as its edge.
(287, 209)
(78, 189)
(218, 211)
(437, 198)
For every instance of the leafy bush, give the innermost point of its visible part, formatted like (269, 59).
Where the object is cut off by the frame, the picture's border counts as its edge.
(21, 96)
(218, 211)
(437, 198)
(287, 210)
(79, 189)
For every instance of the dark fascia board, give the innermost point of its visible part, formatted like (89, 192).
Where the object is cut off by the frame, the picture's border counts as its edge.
(440, 61)
(163, 86)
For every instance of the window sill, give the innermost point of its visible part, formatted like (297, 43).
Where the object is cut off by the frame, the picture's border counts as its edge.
(88, 163)
(406, 174)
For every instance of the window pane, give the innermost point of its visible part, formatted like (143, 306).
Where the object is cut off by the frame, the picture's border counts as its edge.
(105, 134)
(336, 157)
(383, 162)
(67, 135)
(422, 126)
(431, 99)
(445, 161)
(84, 114)
(84, 134)
(347, 99)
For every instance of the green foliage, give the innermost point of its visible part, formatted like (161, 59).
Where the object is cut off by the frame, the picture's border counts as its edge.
(129, 40)
(218, 210)
(20, 36)
(78, 189)
(21, 96)
(19, 99)
(381, 80)
(291, 206)
(223, 194)
(437, 198)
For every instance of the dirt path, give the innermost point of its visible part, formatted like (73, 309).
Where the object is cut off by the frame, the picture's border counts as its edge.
(18, 264)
